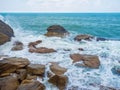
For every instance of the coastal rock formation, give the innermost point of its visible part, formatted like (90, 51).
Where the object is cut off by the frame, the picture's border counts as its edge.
(31, 85)
(83, 37)
(8, 83)
(6, 32)
(56, 30)
(36, 69)
(9, 65)
(90, 61)
(59, 80)
(21, 74)
(17, 46)
(56, 69)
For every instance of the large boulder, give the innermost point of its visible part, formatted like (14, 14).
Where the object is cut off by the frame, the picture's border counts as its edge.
(56, 30)
(90, 61)
(59, 80)
(8, 83)
(56, 69)
(31, 85)
(36, 69)
(9, 65)
(6, 32)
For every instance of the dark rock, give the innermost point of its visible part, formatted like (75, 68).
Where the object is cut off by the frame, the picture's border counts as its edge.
(100, 39)
(83, 37)
(9, 65)
(31, 85)
(6, 32)
(8, 83)
(17, 46)
(59, 80)
(106, 88)
(116, 70)
(56, 30)
(36, 69)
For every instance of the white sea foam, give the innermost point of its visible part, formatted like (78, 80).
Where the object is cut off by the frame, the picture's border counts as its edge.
(108, 52)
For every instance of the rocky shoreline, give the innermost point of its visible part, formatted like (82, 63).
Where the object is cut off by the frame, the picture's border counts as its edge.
(20, 74)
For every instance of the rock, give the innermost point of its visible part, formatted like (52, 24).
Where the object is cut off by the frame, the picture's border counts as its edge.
(83, 37)
(31, 77)
(21, 74)
(59, 80)
(31, 85)
(56, 30)
(9, 65)
(36, 69)
(90, 61)
(6, 32)
(8, 83)
(44, 50)
(116, 70)
(76, 57)
(100, 39)
(17, 46)
(33, 44)
(56, 69)
(81, 49)
(106, 88)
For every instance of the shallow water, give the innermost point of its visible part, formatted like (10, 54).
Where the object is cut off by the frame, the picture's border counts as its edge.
(108, 51)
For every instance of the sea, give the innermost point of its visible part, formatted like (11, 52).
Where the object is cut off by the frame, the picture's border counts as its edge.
(30, 27)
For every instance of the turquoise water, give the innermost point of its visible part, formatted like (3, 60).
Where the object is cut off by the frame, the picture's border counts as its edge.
(29, 27)
(99, 24)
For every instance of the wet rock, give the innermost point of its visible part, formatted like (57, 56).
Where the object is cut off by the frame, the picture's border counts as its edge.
(17, 46)
(31, 85)
(33, 44)
(44, 50)
(106, 88)
(21, 74)
(56, 30)
(90, 61)
(31, 77)
(3, 56)
(56, 69)
(36, 69)
(6, 32)
(116, 70)
(81, 49)
(8, 83)
(59, 80)
(83, 37)
(100, 39)
(76, 57)
(9, 65)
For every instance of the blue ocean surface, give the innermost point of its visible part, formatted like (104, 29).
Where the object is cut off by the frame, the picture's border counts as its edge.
(30, 27)
(98, 24)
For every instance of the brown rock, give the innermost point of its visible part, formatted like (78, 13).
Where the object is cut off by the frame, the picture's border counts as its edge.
(17, 46)
(76, 57)
(6, 32)
(8, 83)
(31, 85)
(83, 37)
(56, 30)
(33, 44)
(56, 69)
(22, 74)
(31, 77)
(9, 65)
(59, 80)
(36, 69)
(44, 50)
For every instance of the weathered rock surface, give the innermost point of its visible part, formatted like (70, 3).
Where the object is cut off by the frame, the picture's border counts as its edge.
(31, 85)
(56, 69)
(6, 32)
(17, 46)
(59, 80)
(83, 37)
(36, 69)
(21, 74)
(8, 83)
(90, 61)
(9, 65)
(56, 30)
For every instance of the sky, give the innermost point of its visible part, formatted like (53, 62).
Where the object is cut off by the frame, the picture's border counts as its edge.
(59, 5)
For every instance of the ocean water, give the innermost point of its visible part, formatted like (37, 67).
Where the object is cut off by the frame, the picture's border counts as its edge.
(29, 27)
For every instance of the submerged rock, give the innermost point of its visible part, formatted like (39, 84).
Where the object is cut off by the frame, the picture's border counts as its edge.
(36, 69)
(17, 46)
(56, 30)
(90, 61)
(31, 85)
(116, 70)
(106, 88)
(59, 80)
(8, 83)
(83, 37)
(9, 65)
(6, 32)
